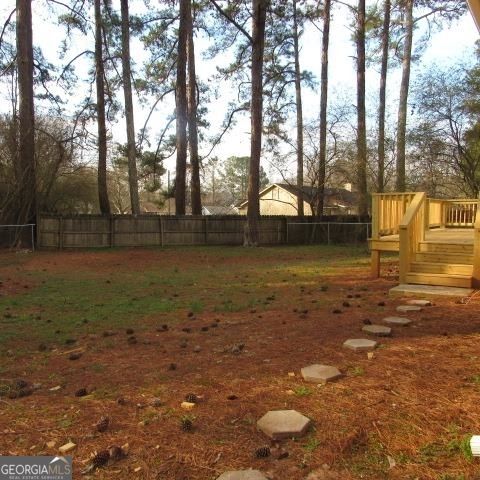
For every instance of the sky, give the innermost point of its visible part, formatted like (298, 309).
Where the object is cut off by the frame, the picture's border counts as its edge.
(446, 47)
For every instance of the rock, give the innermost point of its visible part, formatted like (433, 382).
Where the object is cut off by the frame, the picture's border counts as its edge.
(74, 356)
(402, 321)
(242, 475)
(51, 444)
(420, 303)
(68, 447)
(283, 424)
(187, 405)
(320, 373)
(360, 344)
(197, 348)
(378, 330)
(409, 308)
(323, 474)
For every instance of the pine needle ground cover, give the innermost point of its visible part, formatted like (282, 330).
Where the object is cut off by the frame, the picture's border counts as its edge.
(131, 335)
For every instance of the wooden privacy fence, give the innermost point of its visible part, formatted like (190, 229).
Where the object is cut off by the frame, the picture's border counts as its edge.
(97, 231)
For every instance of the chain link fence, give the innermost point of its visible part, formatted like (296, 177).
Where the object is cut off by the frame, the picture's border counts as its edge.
(19, 237)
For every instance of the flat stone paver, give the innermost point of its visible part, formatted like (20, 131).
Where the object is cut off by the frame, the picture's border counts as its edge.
(320, 373)
(408, 308)
(242, 475)
(360, 344)
(283, 424)
(378, 330)
(420, 303)
(402, 321)
(417, 290)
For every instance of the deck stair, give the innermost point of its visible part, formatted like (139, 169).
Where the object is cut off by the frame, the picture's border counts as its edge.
(445, 264)
(433, 250)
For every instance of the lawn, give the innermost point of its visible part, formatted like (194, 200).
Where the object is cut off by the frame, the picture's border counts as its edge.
(139, 329)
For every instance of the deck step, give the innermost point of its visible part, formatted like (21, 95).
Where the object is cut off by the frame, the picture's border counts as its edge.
(454, 258)
(463, 281)
(437, 267)
(436, 247)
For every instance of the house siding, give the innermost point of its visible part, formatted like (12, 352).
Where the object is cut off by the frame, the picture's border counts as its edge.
(277, 201)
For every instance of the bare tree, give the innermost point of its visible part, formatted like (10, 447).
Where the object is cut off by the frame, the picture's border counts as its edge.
(259, 8)
(101, 123)
(322, 161)
(127, 90)
(385, 35)
(402, 106)
(192, 118)
(181, 110)
(299, 111)
(26, 181)
(361, 115)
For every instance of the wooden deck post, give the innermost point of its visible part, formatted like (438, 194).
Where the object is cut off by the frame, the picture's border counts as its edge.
(476, 250)
(375, 263)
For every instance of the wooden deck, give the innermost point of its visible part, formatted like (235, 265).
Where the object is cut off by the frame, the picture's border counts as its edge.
(438, 235)
(433, 250)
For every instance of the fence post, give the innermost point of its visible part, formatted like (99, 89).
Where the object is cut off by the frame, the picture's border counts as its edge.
(286, 230)
(112, 225)
(328, 233)
(205, 229)
(162, 227)
(60, 233)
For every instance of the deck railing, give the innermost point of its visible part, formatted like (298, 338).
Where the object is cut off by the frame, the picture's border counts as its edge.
(388, 210)
(476, 249)
(412, 232)
(460, 213)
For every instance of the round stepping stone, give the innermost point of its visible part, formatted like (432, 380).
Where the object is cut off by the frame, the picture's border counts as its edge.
(242, 475)
(283, 424)
(360, 344)
(320, 373)
(408, 308)
(378, 330)
(420, 303)
(402, 321)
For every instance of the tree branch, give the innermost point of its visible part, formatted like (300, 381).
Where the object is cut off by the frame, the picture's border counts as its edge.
(231, 20)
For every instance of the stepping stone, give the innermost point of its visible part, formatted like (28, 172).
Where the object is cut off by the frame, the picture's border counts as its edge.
(320, 373)
(420, 303)
(409, 308)
(283, 424)
(360, 344)
(242, 475)
(378, 330)
(402, 321)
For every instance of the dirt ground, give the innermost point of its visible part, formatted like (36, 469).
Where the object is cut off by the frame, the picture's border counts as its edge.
(237, 325)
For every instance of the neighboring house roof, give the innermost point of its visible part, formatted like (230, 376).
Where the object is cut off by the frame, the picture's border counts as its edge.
(218, 210)
(332, 196)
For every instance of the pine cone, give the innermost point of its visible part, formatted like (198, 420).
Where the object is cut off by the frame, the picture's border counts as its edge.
(187, 425)
(191, 397)
(262, 452)
(102, 424)
(100, 458)
(81, 392)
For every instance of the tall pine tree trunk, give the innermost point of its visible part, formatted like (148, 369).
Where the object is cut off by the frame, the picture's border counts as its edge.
(192, 118)
(259, 8)
(298, 104)
(322, 162)
(101, 125)
(181, 110)
(402, 107)
(361, 115)
(26, 180)
(127, 91)
(382, 96)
